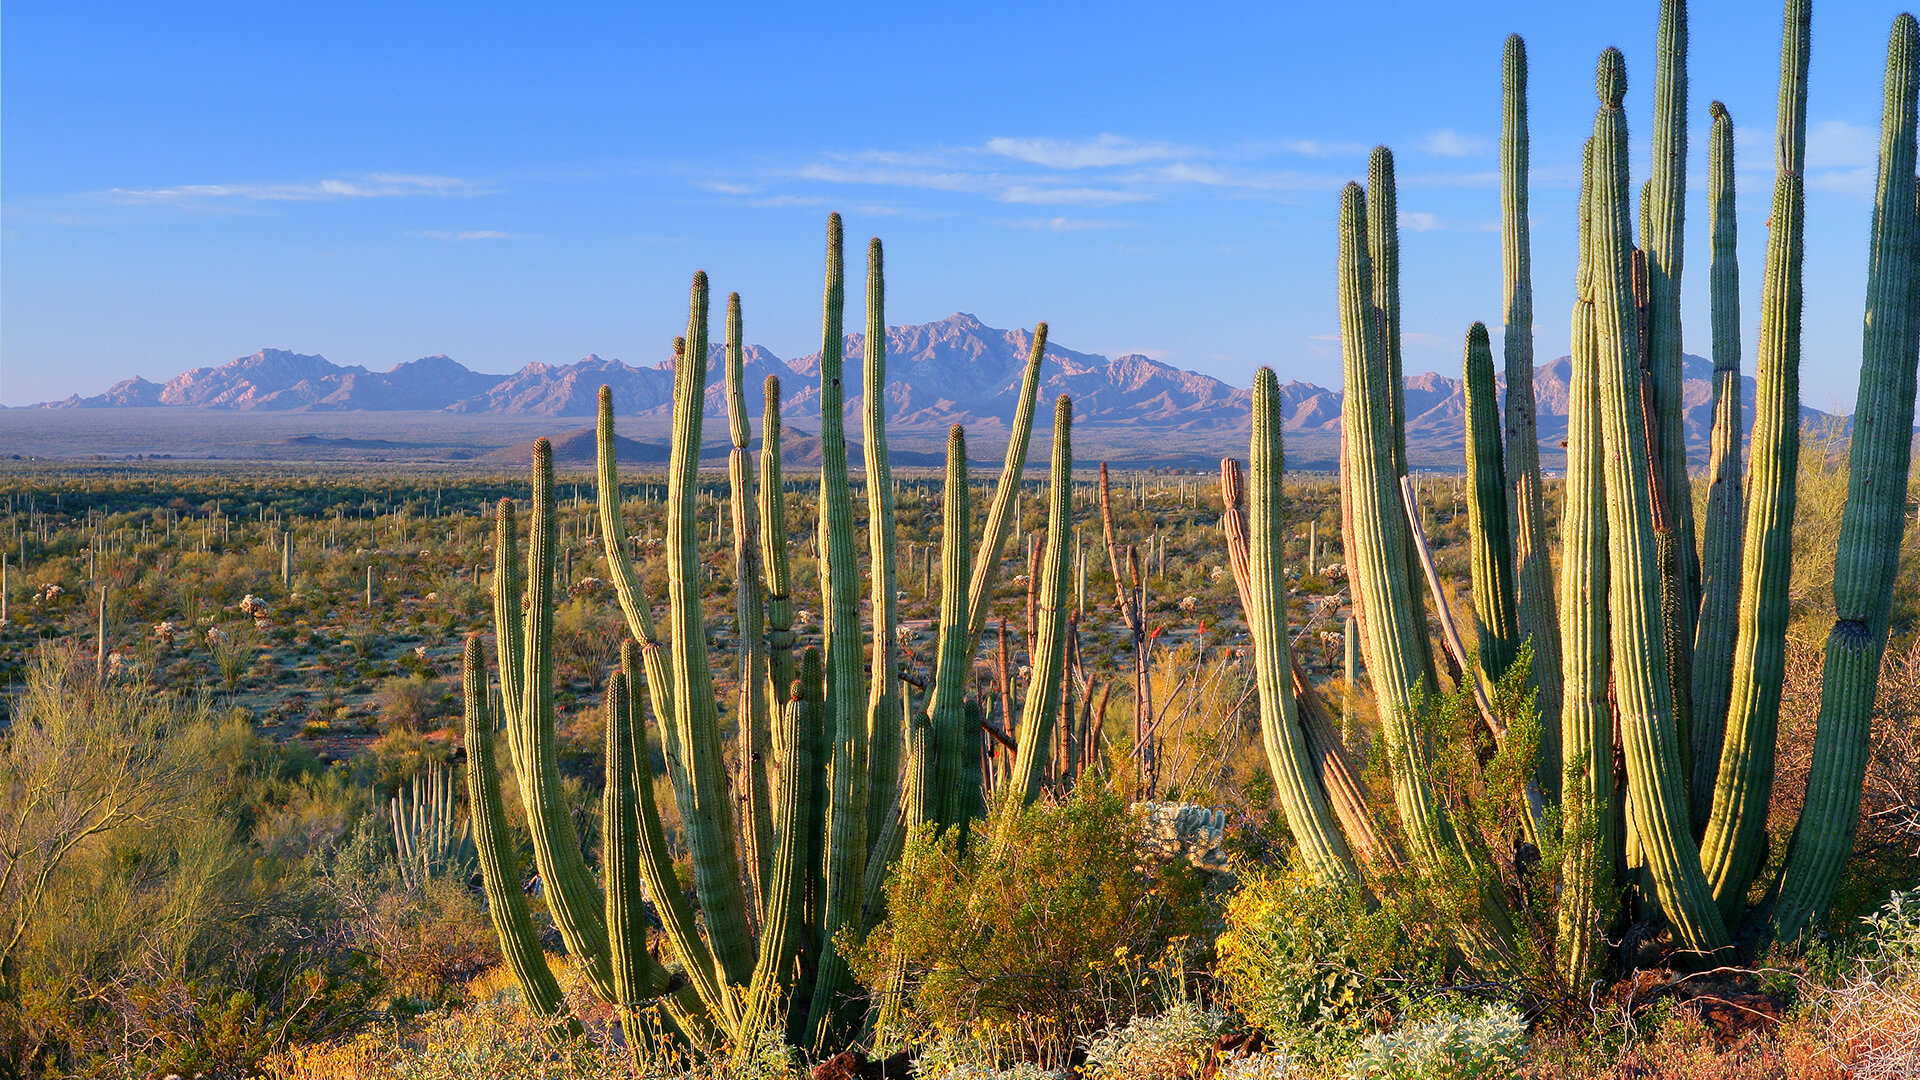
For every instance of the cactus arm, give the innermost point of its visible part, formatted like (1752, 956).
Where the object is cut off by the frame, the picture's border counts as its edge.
(1376, 540)
(1300, 793)
(846, 722)
(1880, 458)
(774, 546)
(885, 734)
(1587, 786)
(506, 903)
(1003, 512)
(785, 925)
(1534, 599)
(508, 619)
(749, 608)
(1735, 840)
(953, 655)
(1383, 249)
(1713, 641)
(1041, 710)
(1491, 543)
(1644, 695)
(633, 604)
(1663, 239)
(572, 894)
(710, 825)
(636, 976)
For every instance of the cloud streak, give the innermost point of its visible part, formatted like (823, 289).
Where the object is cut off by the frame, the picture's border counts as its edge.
(1105, 151)
(372, 186)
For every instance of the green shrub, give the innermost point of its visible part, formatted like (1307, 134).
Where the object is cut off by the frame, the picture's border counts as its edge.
(1312, 965)
(1451, 1046)
(1042, 930)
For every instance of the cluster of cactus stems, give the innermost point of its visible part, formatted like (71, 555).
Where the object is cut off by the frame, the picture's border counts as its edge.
(1674, 652)
(834, 761)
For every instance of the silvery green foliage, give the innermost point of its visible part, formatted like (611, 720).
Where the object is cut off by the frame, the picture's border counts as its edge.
(1272, 1066)
(1165, 1045)
(957, 1058)
(1893, 933)
(1450, 1046)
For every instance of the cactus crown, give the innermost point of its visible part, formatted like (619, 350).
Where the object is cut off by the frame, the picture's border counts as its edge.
(1610, 78)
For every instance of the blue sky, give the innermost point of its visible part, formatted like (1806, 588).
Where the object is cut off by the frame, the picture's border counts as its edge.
(181, 184)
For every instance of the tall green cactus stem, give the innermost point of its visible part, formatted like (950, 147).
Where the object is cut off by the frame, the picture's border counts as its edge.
(885, 734)
(710, 819)
(1713, 641)
(1586, 716)
(572, 894)
(655, 859)
(784, 931)
(1492, 545)
(499, 872)
(774, 543)
(1041, 710)
(1003, 512)
(1645, 698)
(1735, 842)
(620, 861)
(846, 720)
(1533, 578)
(753, 708)
(1351, 672)
(1300, 793)
(1662, 240)
(1383, 249)
(953, 657)
(1376, 542)
(1875, 516)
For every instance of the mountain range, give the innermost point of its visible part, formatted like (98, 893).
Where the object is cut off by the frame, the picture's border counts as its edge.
(955, 371)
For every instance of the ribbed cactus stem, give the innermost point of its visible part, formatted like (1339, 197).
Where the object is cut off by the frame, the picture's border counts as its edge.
(572, 894)
(885, 735)
(1720, 568)
(655, 859)
(499, 870)
(1586, 714)
(1490, 542)
(774, 545)
(709, 821)
(1350, 674)
(784, 932)
(953, 656)
(846, 719)
(1662, 240)
(1299, 792)
(1879, 460)
(620, 858)
(749, 612)
(1644, 696)
(1003, 512)
(1040, 713)
(1735, 842)
(1534, 599)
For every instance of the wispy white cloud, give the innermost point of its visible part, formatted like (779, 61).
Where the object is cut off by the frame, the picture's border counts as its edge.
(1320, 148)
(1450, 180)
(787, 200)
(937, 180)
(372, 186)
(1447, 142)
(1063, 224)
(1105, 151)
(1070, 196)
(470, 234)
(726, 188)
(1186, 172)
(1419, 221)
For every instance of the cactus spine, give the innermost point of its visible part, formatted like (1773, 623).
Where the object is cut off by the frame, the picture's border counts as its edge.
(1300, 792)
(1875, 514)
(1713, 641)
(1533, 578)
(1493, 600)
(1734, 840)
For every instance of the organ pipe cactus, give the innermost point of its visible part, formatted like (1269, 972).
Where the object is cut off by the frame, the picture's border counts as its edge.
(1044, 690)
(1492, 544)
(1875, 516)
(1734, 841)
(1649, 630)
(787, 847)
(1720, 566)
(1533, 575)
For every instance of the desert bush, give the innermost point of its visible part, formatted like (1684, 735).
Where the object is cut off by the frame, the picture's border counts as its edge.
(411, 701)
(1168, 1045)
(1036, 933)
(1484, 1042)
